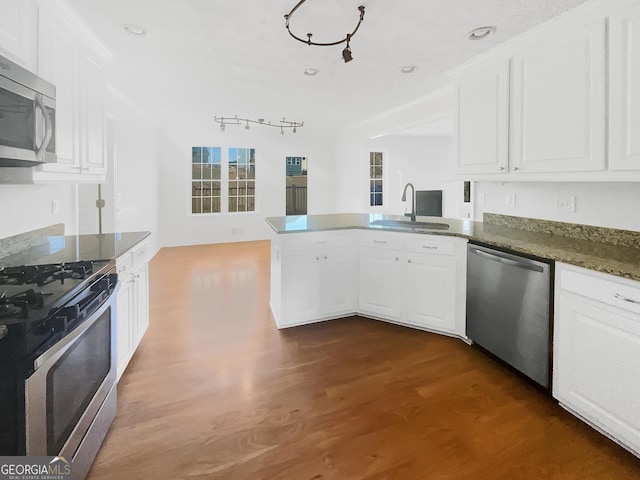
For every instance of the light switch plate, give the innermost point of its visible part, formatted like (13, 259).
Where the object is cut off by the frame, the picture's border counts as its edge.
(511, 199)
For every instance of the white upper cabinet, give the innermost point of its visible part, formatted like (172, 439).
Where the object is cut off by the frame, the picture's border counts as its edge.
(482, 119)
(58, 63)
(558, 103)
(18, 32)
(624, 93)
(93, 113)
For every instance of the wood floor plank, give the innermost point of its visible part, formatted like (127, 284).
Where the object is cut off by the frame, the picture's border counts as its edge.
(215, 391)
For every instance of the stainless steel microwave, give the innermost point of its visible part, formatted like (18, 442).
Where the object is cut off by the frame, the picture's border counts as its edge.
(27, 117)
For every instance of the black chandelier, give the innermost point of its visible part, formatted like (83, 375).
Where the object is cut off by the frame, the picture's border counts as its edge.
(346, 53)
(282, 124)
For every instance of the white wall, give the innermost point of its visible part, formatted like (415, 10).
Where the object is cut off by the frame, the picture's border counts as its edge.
(424, 161)
(179, 227)
(28, 207)
(613, 205)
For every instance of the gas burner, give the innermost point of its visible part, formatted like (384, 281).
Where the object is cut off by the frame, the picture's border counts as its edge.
(18, 305)
(43, 274)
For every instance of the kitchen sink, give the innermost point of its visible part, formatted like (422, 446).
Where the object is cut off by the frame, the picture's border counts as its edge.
(410, 225)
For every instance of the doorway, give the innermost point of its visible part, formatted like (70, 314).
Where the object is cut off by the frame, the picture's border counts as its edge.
(296, 186)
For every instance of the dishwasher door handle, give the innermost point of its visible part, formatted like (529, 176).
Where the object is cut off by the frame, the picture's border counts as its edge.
(507, 261)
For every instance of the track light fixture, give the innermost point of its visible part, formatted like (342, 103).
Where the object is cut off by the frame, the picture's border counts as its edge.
(282, 124)
(346, 53)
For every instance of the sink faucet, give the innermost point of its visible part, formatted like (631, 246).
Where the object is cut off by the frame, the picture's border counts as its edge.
(413, 199)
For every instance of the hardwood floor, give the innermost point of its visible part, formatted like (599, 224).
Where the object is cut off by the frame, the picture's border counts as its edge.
(216, 391)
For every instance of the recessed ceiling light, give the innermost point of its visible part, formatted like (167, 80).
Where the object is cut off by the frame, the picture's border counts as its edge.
(408, 69)
(136, 30)
(311, 72)
(481, 33)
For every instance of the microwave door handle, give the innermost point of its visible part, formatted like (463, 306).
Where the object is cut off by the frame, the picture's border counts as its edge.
(48, 127)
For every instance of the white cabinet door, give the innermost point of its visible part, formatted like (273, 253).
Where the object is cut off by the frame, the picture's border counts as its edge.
(124, 318)
(93, 84)
(482, 120)
(58, 46)
(141, 292)
(624, 90)
(558, 104)
(431, 292)
(596, 367)
(338, 281)
(380, 282)
(18, 32)
(301, 287)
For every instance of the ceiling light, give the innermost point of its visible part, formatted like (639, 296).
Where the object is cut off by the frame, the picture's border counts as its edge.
(136, 30)
(346, 53)
(408, 69)
(282, 124)
(311, 72)
(481, 33)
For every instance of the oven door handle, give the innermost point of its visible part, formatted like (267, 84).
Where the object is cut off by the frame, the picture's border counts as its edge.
(55, 352)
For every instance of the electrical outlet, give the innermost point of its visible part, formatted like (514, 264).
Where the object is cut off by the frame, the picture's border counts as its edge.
(482, 198)
(566, 204)
(237, 231)
(55, 206)
(511, 199)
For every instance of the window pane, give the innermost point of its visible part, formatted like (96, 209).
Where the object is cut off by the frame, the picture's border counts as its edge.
(196, 154)
(196, 189)
(241, 204)
(233, 204)
(233, 189)
(377, 172)
(206, 205)
(196, 205)
(251, 173)
(196, 172)
(215, 205)
(377, 199)
(216, 172)
(206, 172)
(251, 204)
(215, 189)
(242, 172)
(251, 188)
(372, 187)
(242, 189)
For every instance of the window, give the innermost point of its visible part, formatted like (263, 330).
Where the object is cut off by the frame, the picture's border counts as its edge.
(375, 179)
(223, 185)
(205, 179)
(242, 176)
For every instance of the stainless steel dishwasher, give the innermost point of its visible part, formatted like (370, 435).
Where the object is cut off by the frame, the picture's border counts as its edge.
(509, 309)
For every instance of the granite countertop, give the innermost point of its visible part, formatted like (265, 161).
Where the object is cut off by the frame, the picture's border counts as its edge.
(73, 248)
(616, 252)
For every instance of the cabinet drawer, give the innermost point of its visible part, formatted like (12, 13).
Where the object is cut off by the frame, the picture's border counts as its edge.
(139, 254)
(315, 240)
(124, 264)
(388, 241)
(429, 244)
(624, 294)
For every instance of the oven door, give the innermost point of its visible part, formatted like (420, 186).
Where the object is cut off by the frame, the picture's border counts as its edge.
(27, 126)
(71, 381)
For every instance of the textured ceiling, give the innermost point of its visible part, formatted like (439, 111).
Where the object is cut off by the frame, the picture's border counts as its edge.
(225, 57)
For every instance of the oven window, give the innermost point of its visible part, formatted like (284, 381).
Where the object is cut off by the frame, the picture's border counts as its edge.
(74, 379)
(17, 124)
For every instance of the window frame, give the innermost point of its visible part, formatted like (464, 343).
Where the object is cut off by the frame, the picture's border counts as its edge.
(224, 183)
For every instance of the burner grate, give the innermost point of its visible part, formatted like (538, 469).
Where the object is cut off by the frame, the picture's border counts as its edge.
(44, 274)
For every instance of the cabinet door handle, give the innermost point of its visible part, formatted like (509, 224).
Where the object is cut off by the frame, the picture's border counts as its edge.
(383, 242)
(515, 169)
(626, 299)
(409, 260)
(502, 169)
(397, 259)
(317, 258)
(429, 247)
(325, 257)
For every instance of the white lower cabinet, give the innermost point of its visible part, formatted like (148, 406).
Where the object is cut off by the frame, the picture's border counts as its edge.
(416, 280)
(132, 304)
(380, 282)
(597, 351)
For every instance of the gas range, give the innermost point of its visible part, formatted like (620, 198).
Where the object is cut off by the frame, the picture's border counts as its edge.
(33, 299)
